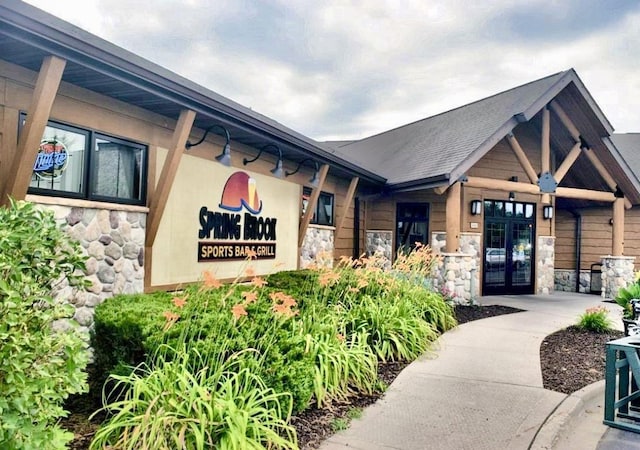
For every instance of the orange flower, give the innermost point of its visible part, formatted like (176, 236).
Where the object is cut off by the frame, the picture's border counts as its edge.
(258, 282)
(210, 280)
(171, 318)
(179, 302)
(340, 337)
(250, 271)
(284, 310)
(328, 278)
(238, 311)
(251, 254)
(249, 297)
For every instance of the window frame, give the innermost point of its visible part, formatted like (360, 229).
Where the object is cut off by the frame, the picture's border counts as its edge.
(89, 165)
(307, 191)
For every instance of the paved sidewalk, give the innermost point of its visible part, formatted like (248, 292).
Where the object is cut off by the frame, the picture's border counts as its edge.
(482, 389)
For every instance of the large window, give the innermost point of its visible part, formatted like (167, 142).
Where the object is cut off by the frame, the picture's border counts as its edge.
(78, 163)
(323, 214)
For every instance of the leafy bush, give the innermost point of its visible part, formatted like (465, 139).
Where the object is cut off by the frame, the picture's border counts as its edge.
(194, 402)
(624, 297)
(595, 319)
(39, 367)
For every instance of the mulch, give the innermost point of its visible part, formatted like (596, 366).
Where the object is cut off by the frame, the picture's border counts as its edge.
(570, 358)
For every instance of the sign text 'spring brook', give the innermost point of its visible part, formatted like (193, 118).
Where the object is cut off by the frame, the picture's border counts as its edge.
(236, 235)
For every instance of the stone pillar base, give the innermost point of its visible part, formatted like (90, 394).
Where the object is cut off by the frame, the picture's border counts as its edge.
(380, 242)
(617, 272)
(317, 248)
(457, 276)
(545, 259)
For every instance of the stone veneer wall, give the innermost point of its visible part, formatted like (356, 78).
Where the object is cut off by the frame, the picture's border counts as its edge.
(617, 272)
(380, 242)
(318, 247)
(565, 280)
(545, 259)
(464, 267)
(114, 242)
(458, 274)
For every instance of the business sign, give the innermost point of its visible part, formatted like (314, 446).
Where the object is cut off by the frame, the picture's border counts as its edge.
(237, 228)
(51, 160)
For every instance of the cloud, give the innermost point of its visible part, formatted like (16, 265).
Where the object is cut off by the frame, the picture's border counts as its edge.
(340, 70)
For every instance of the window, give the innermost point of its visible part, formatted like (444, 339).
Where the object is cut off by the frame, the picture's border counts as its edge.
(78, 163)
(323, 214)
(412, 225)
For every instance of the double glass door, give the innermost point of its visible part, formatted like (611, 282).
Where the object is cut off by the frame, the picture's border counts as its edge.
(508, 247)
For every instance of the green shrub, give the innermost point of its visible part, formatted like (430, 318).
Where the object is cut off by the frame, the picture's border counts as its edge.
(194, 402)
(39, 367)
(595, 319)
(624, 297)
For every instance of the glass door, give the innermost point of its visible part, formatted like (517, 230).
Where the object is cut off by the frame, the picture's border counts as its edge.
(508, 248)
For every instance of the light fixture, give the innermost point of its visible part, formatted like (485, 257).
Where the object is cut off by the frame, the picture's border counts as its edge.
(512, 194)
(225, 156)
(547, 212)
(314, 180)
(277, 170)
(476, 207)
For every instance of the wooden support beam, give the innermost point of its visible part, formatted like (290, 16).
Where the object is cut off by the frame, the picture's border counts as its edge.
(453, 201)
(345, 207)
(604, 173)
(617, 244)
(168, 174)
(566, 121)
(567, 163)
(522, 158)
(38, 114)
(502, 185)
(311, 205)
(585, 194)
(441, 189)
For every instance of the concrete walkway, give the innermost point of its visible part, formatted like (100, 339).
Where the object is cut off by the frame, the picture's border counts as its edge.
(481, 389)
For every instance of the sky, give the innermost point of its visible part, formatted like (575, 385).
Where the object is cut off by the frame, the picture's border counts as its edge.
(338, 69)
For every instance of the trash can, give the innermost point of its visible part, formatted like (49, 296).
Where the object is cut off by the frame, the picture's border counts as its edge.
(621, 394)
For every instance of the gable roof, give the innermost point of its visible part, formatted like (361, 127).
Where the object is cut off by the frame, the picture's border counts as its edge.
(439, 149)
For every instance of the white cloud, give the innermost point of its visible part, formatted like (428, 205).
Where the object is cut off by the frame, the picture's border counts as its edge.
(342, 70)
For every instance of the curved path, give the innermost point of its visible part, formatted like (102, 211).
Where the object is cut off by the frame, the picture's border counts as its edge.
(482, 388)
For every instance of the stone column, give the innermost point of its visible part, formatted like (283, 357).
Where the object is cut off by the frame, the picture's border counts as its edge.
(380, 242)
(617, 272)
(545, 259)
(457, 276)
(317, 247)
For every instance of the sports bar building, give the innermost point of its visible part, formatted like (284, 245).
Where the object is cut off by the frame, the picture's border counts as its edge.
(160, 179)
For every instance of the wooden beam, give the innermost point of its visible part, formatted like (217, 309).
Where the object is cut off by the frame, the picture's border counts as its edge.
(566, 121)
(564, 118)
(38, 114)
(311, 206)
(168, 174)
(585, 194)
(604, 173)
(617, 241)
(522, 158)
(441, 189)
(453, 218)
(567, 163)
(345, 207)
(502, 185)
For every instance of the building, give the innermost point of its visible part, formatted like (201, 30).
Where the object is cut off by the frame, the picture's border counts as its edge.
(161, 179)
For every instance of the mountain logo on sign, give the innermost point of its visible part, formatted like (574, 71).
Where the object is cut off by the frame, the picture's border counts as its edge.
(240, 191)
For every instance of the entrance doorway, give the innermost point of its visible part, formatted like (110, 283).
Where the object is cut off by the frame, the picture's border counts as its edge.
(509, 233)
(412, 225)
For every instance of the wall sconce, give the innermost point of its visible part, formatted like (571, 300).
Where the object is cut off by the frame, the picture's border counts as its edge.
(225, 156)
(277, 170)
(314, 180)
(512, 194)
(547, 212)
(476, 207)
